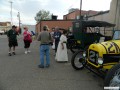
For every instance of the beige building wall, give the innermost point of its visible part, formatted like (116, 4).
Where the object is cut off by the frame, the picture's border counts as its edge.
(102, 17)
(5, 27)
(113, 16)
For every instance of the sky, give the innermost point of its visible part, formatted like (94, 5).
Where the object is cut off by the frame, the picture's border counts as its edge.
(29, 8)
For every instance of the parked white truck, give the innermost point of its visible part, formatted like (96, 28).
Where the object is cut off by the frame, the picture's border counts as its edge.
(1, 32)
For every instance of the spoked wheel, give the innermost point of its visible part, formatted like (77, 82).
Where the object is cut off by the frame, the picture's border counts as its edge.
(113, 77)
(78, 60)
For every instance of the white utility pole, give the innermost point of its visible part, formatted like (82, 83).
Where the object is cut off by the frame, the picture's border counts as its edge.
(11, 12)
(19, 19)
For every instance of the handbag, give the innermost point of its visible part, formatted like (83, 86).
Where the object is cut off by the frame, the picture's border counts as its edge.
(30, 39)
(53, 46)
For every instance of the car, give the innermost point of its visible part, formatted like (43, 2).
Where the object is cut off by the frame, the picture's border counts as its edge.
(1, 32)
(101, 58)
(88, 32)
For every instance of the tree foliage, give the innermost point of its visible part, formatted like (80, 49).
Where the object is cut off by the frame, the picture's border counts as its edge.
(42, 15)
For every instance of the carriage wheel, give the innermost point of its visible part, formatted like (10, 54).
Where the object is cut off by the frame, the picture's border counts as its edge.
(78, 61)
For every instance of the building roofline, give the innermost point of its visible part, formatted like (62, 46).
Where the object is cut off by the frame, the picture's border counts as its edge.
(81, 12)
(59, 20)
(71, 12)
(99, 13)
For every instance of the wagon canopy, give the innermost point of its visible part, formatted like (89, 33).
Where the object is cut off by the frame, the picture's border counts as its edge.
(93, 23)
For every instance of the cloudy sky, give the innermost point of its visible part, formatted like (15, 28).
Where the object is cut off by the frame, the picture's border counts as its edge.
(29, 8)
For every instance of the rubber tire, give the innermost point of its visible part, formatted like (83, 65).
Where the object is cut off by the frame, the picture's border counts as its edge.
(72, 50)
(72, 61)
(71, 47)
(110, 74)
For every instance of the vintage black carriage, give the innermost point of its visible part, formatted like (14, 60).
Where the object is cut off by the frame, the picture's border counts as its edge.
(88, 32)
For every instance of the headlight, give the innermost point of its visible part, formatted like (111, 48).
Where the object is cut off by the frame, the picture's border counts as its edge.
(100, 61)
(84, 54)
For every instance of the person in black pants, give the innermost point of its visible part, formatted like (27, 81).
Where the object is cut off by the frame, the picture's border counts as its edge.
(57, 35)
(27, 40)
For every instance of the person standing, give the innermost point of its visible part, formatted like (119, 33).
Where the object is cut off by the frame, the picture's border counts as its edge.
(27, 40)
(44, 38)
(12, 39)
(57, 35)
(61, 54)
(52, 33)
(33, 35)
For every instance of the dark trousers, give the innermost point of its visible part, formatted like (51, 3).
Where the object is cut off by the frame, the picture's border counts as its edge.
(56, 45)
(13, 43)
(26, 43)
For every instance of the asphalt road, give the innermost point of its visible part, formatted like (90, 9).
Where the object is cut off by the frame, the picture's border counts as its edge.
(20, 72)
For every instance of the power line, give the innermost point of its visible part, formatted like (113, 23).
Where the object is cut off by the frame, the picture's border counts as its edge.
(70, 6)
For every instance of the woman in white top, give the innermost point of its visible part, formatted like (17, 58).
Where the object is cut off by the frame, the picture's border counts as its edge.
(61, 54)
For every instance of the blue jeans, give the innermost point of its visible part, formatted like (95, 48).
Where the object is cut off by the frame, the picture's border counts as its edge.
(44, 50)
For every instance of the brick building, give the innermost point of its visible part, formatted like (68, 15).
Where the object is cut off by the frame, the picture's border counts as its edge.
(75, 14)
(64, 23)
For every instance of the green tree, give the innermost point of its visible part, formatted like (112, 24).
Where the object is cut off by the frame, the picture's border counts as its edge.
(42, 15)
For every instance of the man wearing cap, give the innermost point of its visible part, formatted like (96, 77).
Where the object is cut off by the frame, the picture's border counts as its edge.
(12, 39)
(44, 38)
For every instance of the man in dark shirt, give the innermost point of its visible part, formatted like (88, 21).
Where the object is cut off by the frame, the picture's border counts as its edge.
(57, 35)
(12, 39)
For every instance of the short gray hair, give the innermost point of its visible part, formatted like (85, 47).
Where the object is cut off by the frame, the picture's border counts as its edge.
(56, 28)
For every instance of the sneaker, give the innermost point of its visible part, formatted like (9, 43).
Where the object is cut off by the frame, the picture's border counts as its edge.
(47, 66)
(10, 54)
(14, 53)
(40, 66)
(26, 52)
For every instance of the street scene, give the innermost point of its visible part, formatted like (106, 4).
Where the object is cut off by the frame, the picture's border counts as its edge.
(21, 72)
(59, 45)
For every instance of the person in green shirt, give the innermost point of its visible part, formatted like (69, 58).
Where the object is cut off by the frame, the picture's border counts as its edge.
(12, 39)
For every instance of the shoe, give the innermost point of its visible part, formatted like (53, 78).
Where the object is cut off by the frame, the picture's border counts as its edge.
(47, 66)
(10, 54)
(14, 53)
(26, 52)
(40, 66)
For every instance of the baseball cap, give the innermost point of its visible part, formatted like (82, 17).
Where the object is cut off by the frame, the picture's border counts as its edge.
(13, 26)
